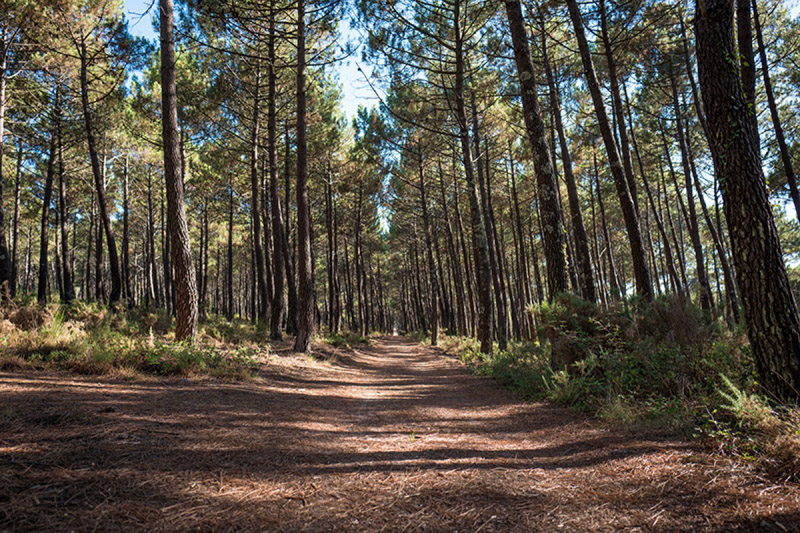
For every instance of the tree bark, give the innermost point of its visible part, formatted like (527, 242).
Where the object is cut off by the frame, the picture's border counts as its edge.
(772, 317)
(644, 285)
(426, 223)
(126, 263)
(744, 38)
(41, 288)
(616, 100)
(6, 282)
(278, 232)
(552, 230)
(67, 285)
(15, 225)
(583, 258)
(480, 240)
(786, 158)
(255, 204)
(229, 266)
(305, 278)
(99, 180)
(186, 311)
(706, 302)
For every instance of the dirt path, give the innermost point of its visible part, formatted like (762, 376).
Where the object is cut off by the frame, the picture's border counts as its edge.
(392, 437)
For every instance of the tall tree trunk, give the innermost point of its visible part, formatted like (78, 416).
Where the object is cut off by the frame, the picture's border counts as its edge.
(616, 99)
(41, 288)
(523, 272)
(305, 278)
(278, 232)
(255, 195)
(479, 235)
(165, 260)
(67, 285)
(552, 230)
(426, 223)
(331, 273)
(488, 219)
(583, 258)
(229, 266)
(186, 311)
(706, 301)
(455, 263)
(15, 225)
(99, 179)
(786, 158)
(6, 269)
(472, 314)
(730, 283)
(154, 292)
(676, 282)
(288, 260)
(641, 273)
(744, 38)
(99, 284)
(126, 262)
(770, 309)
(612, 267)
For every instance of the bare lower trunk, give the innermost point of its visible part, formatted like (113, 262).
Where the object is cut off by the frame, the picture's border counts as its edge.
(44, 241)
(185, 283)
(99, 181)
(770, 309)
(305, 278)
(641, 272)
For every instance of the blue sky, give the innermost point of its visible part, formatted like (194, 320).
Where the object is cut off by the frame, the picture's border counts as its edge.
(354, 88)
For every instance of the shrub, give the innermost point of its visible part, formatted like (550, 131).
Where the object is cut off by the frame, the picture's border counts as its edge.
(661, 364)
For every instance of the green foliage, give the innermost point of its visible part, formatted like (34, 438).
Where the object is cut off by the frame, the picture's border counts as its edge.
(655, 363)
(87, 339)
(665, 365)
(346, 339)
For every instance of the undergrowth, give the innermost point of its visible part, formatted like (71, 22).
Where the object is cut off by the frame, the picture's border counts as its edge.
(665, 365)
(90, 339)
(346, 339)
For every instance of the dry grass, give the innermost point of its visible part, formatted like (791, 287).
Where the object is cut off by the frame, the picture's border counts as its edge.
(389, 437)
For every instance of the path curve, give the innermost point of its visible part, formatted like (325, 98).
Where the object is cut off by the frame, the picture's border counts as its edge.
(389, 437)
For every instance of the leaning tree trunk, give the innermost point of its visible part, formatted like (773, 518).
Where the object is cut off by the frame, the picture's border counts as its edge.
(641, 273)
(786, 158)
(706, 301)
(185, 285)
(583, 258)
(552, 231)
(772, 317)
(305, 278)
(99, 181)
(479, 235)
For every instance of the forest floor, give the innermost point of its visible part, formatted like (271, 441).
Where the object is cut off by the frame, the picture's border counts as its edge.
(387, 437)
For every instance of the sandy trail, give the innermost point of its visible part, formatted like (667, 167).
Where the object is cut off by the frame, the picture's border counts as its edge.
(390, 437)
